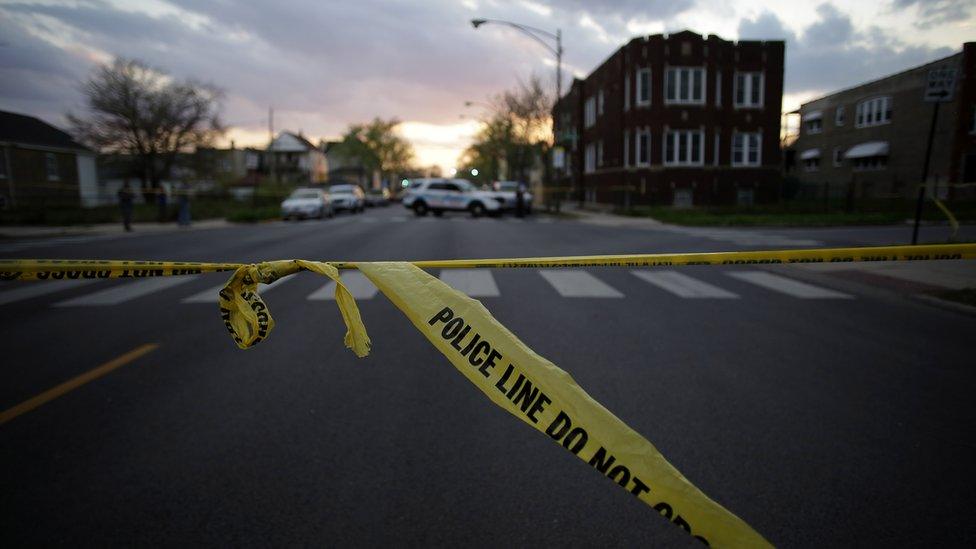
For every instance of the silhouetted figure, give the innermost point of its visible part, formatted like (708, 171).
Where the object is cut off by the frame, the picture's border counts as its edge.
(520, 200)
(183, 216)
(161, 204)
(126, 198)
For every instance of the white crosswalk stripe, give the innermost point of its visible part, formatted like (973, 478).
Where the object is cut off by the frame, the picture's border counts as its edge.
(683, 285)
(210, 294)
(787, 286)
(472, 282)
(39, 288)
(359, 286)
(126, 291)
(578, 284)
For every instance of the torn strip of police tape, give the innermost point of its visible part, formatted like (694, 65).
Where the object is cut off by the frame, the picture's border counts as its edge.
(492, 358)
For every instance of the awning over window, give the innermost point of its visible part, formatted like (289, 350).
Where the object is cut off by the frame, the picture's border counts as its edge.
(812, 115)
(809, 154)
(871, 148)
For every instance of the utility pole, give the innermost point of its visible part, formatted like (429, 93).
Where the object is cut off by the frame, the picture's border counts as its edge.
(274, 159)
(938, 89)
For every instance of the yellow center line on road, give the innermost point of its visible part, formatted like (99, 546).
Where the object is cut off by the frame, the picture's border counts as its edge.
(76, 382)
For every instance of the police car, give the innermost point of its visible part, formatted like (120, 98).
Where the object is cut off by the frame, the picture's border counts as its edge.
(440, 195)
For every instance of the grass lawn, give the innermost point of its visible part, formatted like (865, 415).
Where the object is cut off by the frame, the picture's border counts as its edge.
(798, 215)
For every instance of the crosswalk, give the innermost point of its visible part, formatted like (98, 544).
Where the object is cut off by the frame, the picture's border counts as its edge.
(478, 283)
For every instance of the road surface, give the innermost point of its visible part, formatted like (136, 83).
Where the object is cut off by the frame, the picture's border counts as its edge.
(822, 411)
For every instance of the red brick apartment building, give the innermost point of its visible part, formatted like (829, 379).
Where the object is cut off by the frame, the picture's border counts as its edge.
(674, 120)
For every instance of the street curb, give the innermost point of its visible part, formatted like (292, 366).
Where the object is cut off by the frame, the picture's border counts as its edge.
(946, 304)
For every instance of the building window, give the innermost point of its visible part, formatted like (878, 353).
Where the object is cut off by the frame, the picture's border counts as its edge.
(839, 116)
(589, 160)
(814, 125)
(718, 88)
(643, 87)
(838, 157)
(51, 166)
(873, 112)
(589, 112)
(599, 103)
(683, 148)
(3, 163)
(643, 142)
(870, 163)
(684, 85)
(717, 149)
(627, 91)
(746, 149)
(811, 165)
(748, 89)
(599, 153)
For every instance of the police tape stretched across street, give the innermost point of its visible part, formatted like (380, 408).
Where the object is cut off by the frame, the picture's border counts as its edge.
(509, 373)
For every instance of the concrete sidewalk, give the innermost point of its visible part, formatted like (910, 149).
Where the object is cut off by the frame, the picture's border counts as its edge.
(34, 231)
(920, 275)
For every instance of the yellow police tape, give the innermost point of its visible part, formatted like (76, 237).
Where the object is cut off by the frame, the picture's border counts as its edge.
(512, 376)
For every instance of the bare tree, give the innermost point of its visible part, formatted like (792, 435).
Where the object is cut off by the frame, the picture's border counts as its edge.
(138, 110)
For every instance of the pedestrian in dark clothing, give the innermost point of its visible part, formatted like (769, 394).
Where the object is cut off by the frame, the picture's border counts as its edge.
(183, 215)
(125, 205)
(520, 200)
(161, 203)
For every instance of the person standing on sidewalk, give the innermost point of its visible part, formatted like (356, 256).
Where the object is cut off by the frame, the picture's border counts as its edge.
(183, 215)
(125, 205)
(161, 203)
(520, 199)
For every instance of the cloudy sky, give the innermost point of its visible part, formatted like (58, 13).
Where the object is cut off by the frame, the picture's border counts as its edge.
(324, 64)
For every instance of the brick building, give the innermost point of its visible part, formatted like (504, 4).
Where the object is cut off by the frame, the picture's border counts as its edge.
(869, 141)
(675, 119)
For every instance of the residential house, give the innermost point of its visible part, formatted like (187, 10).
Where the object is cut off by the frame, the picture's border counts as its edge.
(41, 164)
(675, 119)
(294, 159)
(871, 140)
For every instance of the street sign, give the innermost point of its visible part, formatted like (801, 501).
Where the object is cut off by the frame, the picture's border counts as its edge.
(940, 85)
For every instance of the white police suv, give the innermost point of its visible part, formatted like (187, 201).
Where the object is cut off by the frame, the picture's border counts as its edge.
(440, 195)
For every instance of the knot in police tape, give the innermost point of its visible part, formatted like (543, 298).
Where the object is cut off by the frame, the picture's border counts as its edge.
(248, 318)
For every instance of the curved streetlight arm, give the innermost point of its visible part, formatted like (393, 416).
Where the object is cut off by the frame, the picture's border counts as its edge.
(532, 32)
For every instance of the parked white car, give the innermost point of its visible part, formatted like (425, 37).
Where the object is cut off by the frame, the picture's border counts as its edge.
(348, 197)
(506, 191)
(307, 202)
(440, 195)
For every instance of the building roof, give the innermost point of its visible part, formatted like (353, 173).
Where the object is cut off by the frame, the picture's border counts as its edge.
(291, 142)
(27, 130)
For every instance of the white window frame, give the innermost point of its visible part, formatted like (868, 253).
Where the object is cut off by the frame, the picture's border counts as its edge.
(644, 132)
(812, 131)
(747, 149)
(677, 75)
(874, 111)
(638, 101)
(839, 114)
(599, 102)
(589, 112)
(676, 136)
(51, 160)
(838, 157)
(747, 90)
(589, 158)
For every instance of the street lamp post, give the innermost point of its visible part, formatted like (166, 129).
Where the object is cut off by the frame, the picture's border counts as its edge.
(535, 33)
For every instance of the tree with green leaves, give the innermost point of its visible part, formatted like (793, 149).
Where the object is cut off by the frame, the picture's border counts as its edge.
(378, 147)
(137, 110)
(514, 135)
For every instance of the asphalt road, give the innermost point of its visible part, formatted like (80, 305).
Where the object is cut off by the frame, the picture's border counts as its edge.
(823, 413)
